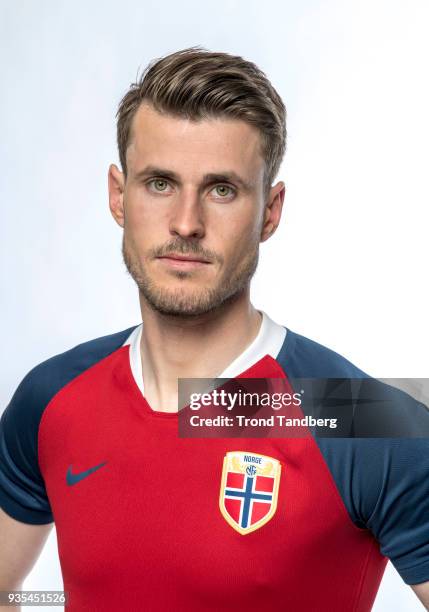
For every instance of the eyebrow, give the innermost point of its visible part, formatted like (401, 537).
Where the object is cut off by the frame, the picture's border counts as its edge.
(212, 177)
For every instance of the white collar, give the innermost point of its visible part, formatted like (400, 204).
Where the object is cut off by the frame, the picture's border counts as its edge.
(268, 341)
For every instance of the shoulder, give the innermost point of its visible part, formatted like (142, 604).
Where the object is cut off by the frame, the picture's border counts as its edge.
(44, 380)
(378, 407)
(22, 490)
(381, 465)
(303, 357)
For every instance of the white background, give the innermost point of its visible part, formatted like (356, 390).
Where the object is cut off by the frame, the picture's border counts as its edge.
(347, 267)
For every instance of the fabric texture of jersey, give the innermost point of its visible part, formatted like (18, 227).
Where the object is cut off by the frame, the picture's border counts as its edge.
(136, 508)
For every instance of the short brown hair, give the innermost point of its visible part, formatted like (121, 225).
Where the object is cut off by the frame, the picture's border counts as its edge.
(195, 83)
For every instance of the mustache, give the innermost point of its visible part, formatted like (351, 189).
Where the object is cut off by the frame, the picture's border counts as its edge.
(184, 248)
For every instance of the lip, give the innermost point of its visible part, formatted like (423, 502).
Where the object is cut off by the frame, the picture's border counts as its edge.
(183, 261)
(183, 257)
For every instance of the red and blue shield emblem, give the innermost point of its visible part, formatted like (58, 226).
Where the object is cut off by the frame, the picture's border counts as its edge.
(249, 490)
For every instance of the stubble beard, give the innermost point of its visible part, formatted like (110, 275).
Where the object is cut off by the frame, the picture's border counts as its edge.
(190, 303)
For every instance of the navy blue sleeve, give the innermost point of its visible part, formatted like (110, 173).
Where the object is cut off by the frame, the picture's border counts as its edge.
(384, 484)
(382, 473)
(22, 489)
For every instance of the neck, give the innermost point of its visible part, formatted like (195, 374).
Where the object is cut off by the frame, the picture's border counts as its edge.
(175, 347)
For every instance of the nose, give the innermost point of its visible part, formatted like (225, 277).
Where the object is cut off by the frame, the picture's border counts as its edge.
(187, 216)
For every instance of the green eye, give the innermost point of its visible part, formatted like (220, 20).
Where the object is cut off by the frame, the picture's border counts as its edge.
(223, 190)
(160, 184)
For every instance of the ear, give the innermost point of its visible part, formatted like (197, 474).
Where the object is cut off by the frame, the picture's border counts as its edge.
(116, 183)
(273, 210)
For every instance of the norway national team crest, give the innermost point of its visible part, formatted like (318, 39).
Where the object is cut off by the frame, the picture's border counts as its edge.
(249, 490)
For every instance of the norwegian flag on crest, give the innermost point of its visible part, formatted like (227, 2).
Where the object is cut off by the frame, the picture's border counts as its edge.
(249, 490)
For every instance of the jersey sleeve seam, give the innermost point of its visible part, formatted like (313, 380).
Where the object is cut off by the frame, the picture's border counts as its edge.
(337, 495)
(68, 384)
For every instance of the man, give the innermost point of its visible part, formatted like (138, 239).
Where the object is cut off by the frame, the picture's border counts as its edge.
(144, 518)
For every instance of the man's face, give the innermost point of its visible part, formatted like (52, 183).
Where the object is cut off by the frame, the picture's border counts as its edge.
(194, 190)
